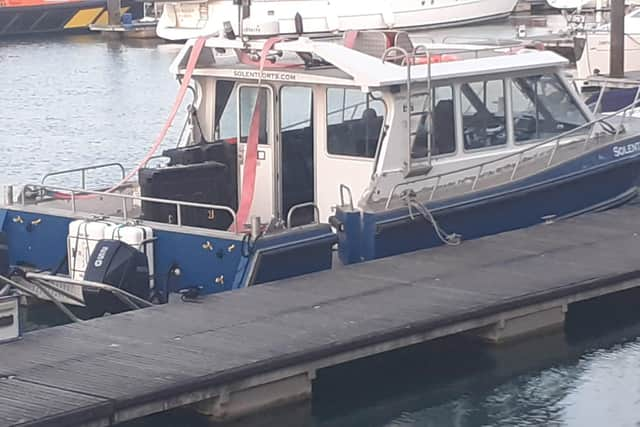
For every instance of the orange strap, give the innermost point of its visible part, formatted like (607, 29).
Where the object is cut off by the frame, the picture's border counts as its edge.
(191, 64)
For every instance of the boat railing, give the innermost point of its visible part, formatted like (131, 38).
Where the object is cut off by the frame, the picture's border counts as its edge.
(471, 48)
(429, 54)
(569, 138)
(604, 84)
(83, 172)
(75, 196)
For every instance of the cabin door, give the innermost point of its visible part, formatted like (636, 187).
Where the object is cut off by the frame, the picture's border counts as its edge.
(296, 165)
(255, 120)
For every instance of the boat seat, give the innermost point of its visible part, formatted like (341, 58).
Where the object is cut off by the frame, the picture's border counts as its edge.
(375, 43)
(371, 124)
(372, 43)
(444, 133)
(403, 41)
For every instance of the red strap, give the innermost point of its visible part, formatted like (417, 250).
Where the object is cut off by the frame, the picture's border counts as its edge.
(350, 39)
(251, 150)
(250, 163)
(191, 65)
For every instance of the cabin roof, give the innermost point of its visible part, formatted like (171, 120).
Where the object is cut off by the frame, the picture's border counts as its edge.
(351, 67)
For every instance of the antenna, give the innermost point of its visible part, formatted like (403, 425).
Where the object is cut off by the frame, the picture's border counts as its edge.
(244, 10)
(299, 24)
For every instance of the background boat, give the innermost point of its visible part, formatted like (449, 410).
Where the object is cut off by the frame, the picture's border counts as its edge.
(19, 17)
(187, 19)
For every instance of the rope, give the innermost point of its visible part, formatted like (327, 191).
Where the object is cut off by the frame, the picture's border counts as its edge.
(451, 239)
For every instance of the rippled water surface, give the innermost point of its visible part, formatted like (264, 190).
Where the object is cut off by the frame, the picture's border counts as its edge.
(78, 100)
(74, 101)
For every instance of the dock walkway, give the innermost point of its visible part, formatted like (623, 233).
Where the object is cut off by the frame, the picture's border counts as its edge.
(241, 351)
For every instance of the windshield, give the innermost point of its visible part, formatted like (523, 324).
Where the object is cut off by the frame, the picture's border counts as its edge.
(543, 107)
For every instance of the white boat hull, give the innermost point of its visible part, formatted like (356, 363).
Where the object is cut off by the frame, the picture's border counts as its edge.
(184, 20)
(596, 53)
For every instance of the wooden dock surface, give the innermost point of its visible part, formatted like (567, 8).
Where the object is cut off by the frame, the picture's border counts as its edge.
(126, 366)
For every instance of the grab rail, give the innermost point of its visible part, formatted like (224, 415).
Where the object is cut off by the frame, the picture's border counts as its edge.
(84, 171)
(75, 195)
(602, 121)
(300, 206)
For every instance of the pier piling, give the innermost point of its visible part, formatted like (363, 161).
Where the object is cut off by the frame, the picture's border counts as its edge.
(616, 56)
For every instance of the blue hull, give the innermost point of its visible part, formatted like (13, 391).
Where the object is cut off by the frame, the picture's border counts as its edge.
(214, 262)
(597, 180)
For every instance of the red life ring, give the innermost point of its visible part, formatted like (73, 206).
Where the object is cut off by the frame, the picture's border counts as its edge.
(434, 59)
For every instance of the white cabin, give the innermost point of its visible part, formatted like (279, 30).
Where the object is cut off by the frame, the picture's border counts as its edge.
(334, 120)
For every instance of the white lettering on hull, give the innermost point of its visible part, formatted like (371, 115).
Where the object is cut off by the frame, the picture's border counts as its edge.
(625, 150)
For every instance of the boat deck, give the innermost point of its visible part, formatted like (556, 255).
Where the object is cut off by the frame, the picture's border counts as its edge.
(236, 345)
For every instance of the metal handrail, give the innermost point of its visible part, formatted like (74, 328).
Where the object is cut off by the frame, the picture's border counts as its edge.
(519, 154)
(461, 48)
(300, 206)
(406, 60)
(75, 195)
(344, 188)
(84, 170)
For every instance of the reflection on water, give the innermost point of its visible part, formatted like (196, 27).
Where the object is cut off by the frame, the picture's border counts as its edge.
(72, 101)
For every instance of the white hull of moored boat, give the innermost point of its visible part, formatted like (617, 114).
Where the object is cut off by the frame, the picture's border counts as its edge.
(183, 20)
(595, 55)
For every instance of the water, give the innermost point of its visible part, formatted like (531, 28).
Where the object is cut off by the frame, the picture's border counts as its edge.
(70, 101)
(74, 101)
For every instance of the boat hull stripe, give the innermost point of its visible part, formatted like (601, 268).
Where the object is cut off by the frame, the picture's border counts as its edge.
(83, 18)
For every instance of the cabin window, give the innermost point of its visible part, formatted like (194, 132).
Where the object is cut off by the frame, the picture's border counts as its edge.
(543, 108)
(354, 122)
(225, 113)
(443, 138)
(296, 150)
(483, 114)
(254, 105)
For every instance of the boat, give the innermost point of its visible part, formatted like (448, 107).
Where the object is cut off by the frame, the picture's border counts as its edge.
(593, 59)
(300, 155)
(182, 20)
(129, 28)
(21, 17)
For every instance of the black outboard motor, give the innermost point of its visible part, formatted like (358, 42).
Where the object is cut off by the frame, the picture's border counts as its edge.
(120, 265)
(4, 255)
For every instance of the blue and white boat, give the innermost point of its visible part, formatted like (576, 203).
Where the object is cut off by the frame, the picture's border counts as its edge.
(301, 155)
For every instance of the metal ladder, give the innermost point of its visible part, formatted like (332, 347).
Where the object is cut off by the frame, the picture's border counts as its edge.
(397, 54)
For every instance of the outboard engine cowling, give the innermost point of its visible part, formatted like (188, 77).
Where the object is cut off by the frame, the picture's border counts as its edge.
(120, 265)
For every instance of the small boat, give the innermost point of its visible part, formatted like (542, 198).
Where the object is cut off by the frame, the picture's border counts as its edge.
(129, 28)
(300, 155)
(20, 17)
(182, 20)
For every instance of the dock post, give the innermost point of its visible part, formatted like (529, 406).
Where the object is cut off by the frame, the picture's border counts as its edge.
(113, 9)
(253, 396)
(524, 322)
(616, 57)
